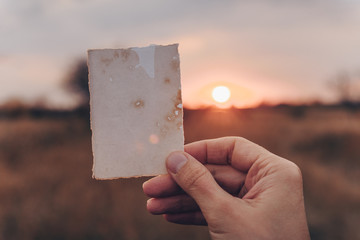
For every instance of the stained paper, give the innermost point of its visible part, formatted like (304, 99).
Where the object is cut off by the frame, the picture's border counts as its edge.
(136, 110)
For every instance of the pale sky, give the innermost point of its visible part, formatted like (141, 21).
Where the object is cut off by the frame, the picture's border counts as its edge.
(264, 50)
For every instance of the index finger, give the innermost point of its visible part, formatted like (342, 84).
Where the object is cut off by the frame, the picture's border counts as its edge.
(238, 152)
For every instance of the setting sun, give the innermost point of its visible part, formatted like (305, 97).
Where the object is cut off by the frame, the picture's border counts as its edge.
(221, 94)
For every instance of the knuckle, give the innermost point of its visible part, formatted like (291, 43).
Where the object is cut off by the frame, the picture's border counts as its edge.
(193, 178)
(293, 173)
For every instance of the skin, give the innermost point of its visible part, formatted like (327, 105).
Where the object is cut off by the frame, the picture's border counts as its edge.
(237, 188)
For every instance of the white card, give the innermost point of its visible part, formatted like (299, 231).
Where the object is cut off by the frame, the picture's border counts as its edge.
(136, 110)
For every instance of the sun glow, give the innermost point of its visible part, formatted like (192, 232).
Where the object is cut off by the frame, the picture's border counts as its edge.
(221, 94)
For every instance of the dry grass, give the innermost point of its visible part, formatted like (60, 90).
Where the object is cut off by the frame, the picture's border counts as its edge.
(47, 192)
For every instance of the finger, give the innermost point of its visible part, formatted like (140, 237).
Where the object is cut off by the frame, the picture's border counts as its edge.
(226, 176)
(235, 151)
(196, 180)
(175, 204)
(161, 186)
(189, 218)
(229, 179)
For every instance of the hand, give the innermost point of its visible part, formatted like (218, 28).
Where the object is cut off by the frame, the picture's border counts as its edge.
(239, 189)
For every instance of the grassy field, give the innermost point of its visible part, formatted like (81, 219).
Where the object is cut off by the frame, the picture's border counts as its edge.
(46, 189)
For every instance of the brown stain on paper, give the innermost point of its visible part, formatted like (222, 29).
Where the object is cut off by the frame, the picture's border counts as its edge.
(167, 80)
(175, 64)
(125, 53)
(176, 112)
(139, 103)
(173, 120)
(177, 99)
(107, 61)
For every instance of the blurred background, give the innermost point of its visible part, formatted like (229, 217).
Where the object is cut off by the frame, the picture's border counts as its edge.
(291, 70)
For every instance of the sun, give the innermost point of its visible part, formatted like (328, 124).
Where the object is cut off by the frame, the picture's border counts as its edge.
(221, 94)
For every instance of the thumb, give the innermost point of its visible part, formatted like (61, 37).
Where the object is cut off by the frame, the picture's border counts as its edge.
(196, 180)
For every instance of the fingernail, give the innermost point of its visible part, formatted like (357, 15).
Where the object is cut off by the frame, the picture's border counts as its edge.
(143, 185)
(175, 161)
(148, 204)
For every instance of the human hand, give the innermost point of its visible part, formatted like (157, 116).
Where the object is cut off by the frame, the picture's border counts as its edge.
(239, 189)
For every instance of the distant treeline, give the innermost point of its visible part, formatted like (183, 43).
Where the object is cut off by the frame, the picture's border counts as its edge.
(41, 112)
(37, 112)
(344, 85)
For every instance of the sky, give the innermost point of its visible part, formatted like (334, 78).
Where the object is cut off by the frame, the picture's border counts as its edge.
(263, 50)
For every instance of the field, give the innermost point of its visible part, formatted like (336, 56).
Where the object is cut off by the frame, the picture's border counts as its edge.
(46, 189)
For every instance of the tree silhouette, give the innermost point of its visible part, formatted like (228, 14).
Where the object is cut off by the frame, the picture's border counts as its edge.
(77, 82)
(342, 85)
(345, 87)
